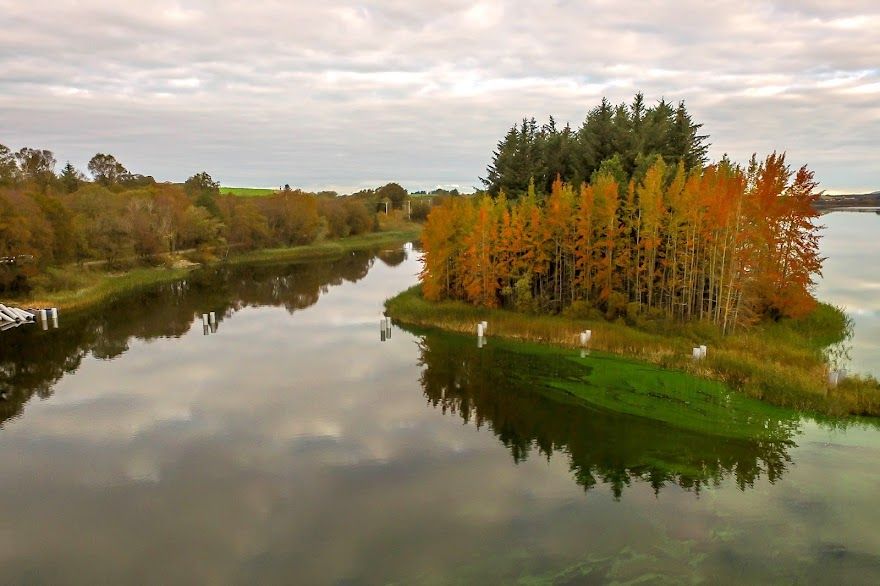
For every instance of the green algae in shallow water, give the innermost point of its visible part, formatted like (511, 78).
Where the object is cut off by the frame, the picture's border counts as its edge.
(672, 397)
(513, 388)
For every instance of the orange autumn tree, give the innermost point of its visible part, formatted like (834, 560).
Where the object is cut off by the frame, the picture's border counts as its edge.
(719, 244)
(785, 238)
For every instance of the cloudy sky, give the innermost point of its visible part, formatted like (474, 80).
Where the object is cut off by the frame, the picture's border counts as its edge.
(341, 95)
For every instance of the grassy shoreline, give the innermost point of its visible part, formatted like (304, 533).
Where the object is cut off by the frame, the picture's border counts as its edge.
(781, 363)
(101, 285)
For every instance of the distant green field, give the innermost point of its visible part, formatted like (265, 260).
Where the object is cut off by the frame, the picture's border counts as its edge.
(247, 191)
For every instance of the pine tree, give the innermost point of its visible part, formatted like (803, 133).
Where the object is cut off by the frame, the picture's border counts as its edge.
(70, 178)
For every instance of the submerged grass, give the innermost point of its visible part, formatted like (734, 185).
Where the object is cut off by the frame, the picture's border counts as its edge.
(76, 287)
(674, 397)
(782, 363)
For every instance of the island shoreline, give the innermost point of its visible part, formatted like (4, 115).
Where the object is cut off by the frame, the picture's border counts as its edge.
(782, 364)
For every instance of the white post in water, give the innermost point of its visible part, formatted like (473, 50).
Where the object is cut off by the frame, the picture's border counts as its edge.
(43, 315)
(480, 331)
(485, 327)
(481, 341)
(204, 319)
(583, 338)
(54, 313)
(54, 318)
(212, 317)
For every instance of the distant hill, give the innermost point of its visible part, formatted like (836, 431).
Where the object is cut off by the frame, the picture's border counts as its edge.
(849, 200)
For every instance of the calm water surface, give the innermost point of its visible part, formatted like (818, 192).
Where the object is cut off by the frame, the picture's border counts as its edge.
(293, 445)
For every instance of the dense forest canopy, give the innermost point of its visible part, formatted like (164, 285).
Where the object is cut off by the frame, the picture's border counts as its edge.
(652, 231)
(627, 137)
(49, 219)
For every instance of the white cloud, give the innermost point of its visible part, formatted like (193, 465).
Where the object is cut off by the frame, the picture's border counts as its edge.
(341, 94)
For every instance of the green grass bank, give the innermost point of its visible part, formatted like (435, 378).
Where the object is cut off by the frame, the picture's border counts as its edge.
(75, 287)
(247, 191)
(783, 363)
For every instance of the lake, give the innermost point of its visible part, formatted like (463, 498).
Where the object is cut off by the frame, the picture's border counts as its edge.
(294, 443)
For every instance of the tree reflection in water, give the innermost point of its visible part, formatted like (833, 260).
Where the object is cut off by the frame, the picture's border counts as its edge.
(508, 392)
(32, 360)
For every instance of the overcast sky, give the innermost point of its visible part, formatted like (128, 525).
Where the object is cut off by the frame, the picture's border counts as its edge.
(341, 95)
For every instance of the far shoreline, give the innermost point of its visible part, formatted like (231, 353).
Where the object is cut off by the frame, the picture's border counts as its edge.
(832, 203)
(106, 285)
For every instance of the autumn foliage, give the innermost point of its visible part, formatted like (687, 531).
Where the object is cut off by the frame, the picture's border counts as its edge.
(48, 221)
(721, 243)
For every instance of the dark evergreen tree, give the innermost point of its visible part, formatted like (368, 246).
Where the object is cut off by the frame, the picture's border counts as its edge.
(635, 134)
(70, 178)
(684, 142)
(596, 137)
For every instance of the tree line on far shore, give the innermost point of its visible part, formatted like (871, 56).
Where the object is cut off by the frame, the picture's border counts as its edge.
(49, 219)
